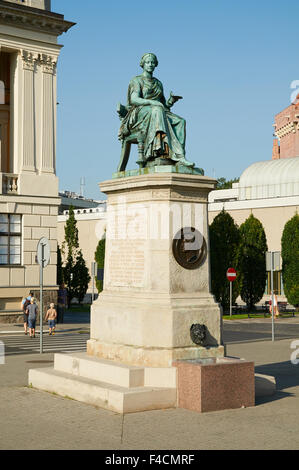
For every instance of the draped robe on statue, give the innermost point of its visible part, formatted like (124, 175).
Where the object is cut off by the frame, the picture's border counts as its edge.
(164, 132)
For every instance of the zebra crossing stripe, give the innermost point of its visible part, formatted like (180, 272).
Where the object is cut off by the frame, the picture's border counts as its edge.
(16, 345)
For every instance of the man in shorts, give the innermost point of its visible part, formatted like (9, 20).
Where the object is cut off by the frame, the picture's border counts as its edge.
(51, 316)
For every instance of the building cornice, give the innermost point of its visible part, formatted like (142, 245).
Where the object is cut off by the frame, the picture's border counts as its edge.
(267, 203)
(31, 18)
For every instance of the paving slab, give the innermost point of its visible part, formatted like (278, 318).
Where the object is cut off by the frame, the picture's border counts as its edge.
(272, 424)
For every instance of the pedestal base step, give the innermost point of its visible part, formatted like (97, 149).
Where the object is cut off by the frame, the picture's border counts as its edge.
(115, 387)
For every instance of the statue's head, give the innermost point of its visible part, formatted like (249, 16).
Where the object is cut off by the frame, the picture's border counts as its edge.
(146, 56)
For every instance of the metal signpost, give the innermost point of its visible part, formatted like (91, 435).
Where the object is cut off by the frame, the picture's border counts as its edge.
(272, 264)
(231, 275)
(43, 258)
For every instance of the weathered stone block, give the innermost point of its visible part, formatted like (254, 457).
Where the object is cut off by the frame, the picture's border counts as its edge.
(215, 384)
(49, 221)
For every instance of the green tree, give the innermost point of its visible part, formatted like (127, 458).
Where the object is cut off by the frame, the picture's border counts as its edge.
(251, 261)
(222, 183)
(290, 260)
(75, 272)
(71, 234)
(81, 277)
(99, 257)
(68, 276)
(224, 241)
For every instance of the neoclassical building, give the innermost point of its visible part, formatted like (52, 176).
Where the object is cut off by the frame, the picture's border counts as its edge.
(29, 201)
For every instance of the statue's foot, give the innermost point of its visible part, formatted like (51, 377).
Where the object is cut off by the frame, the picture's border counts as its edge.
(183, 161)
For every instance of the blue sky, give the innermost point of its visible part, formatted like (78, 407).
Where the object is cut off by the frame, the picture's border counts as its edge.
(233, 62)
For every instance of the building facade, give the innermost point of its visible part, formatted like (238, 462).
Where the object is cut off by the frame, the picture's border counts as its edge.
(29, 199)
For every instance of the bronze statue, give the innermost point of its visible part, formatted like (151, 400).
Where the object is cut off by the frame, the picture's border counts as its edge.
(148, 121)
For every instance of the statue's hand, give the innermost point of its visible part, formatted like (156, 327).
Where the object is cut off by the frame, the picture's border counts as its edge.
(173, 99)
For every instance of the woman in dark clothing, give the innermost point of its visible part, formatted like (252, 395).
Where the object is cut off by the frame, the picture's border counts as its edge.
(32, 315)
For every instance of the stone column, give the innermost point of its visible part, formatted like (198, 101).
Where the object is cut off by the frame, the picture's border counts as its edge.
(29, 143)
(48, 113)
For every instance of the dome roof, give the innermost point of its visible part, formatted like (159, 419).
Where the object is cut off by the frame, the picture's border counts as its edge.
(272, 178)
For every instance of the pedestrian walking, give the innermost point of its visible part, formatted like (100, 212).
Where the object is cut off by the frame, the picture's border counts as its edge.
(24, 305)
(51, 316)
(62, 303)
(275, 305)
(32, 315)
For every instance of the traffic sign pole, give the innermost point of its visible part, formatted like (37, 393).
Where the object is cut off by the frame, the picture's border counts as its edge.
(43, 258)
(231, 275)
(41, 281)
(272, 293)
(230, 298)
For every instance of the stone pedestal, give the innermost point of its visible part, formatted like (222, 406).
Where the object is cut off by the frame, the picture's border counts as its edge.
(156, 286)
(149, 301)
(215, 384)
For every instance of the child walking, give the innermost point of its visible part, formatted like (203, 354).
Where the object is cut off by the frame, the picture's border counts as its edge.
(51, 316)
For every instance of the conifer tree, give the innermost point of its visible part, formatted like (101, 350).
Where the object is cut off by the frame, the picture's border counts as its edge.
(224, 241)
(99, 257)
(81, 277)
(290, 260)
(75, 272)
(251, 261)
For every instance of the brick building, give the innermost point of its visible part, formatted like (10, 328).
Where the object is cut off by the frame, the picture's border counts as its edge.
(286, 129)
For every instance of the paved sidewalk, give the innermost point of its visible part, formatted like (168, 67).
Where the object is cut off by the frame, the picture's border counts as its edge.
(272, 424)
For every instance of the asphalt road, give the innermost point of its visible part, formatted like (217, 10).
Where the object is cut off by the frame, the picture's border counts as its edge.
(74, 338)
(243, 331)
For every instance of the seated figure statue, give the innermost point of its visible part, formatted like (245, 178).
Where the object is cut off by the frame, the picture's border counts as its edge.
(160, 134)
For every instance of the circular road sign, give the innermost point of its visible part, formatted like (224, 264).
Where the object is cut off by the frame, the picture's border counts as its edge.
(231, 274)
(43, 252)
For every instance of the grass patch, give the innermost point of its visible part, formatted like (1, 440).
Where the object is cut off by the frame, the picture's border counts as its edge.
(242, 316)
(76, 308)
(68, 398)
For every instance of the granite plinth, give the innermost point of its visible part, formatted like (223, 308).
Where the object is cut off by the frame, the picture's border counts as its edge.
(215, 384)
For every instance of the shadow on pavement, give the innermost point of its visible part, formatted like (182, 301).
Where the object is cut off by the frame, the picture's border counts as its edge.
(286, 375)
(76, 317)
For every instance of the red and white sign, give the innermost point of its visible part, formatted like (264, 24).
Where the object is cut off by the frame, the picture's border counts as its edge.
(231, 274)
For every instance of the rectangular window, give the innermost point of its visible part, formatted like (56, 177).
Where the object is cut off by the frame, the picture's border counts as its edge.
(10, 239)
